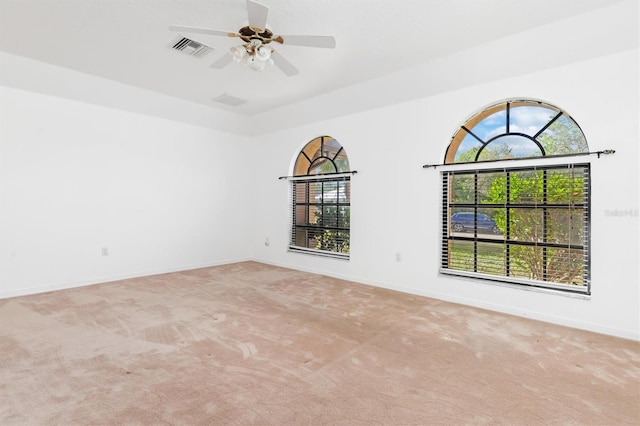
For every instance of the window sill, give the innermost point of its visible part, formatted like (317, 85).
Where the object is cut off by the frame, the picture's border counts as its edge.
(320, 253)
(517, 286)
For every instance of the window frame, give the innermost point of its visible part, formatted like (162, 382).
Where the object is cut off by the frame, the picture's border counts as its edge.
(484, 245)
(322, 162)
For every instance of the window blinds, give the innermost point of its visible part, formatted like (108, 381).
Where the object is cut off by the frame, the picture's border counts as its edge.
(528, 225)
(321, 215)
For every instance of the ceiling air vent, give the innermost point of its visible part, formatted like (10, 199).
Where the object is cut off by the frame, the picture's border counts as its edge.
(191, 47)
(227, 99)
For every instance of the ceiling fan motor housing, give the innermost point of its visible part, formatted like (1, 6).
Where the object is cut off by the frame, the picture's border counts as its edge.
(249, 33)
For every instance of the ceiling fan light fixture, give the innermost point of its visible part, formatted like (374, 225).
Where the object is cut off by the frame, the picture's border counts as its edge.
(238, 53)
(264, 52)
(256, 63)
(254, 55)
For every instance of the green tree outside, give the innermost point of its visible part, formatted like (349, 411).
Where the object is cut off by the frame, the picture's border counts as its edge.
(559, 225)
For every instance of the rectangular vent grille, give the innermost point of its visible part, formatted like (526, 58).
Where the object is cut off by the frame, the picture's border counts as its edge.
(227, 99)
(191, 47)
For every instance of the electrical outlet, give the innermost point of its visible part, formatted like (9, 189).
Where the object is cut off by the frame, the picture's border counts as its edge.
(105, 251)
(266, 242)
(398, 256)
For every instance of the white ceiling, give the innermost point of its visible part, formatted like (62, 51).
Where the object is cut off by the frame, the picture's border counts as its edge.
(128, 41)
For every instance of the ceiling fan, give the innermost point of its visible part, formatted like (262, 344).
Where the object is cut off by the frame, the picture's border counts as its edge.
(256, 52)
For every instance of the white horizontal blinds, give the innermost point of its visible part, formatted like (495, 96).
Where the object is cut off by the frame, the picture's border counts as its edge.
(445, 248)
(586, 226)
(321, 209)
(527, 225)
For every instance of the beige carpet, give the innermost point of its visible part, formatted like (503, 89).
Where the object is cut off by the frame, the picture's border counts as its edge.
(249, 343)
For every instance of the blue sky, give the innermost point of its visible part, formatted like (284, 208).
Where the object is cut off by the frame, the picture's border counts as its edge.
(523, 119)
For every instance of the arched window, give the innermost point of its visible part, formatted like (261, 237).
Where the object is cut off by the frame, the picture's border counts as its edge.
(321, 199)
(519, 224)
(516, 129)
(321, 156)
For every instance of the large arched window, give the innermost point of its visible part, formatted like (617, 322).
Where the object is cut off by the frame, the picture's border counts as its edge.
(321, 199)
(520, 224)
(516, 129)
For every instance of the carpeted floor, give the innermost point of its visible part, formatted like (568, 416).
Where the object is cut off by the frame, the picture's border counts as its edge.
(249, 343)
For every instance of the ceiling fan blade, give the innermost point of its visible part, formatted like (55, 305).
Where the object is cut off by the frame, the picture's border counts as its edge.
(224, 60)
(207, 31)
(284, 65)
(328, 42)
(258, 13)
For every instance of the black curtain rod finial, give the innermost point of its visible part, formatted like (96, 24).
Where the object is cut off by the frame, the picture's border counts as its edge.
(606, 152)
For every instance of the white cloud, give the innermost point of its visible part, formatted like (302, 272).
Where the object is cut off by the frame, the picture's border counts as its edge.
(529, 119)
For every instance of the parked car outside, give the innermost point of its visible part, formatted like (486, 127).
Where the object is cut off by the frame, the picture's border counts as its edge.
(465, 221)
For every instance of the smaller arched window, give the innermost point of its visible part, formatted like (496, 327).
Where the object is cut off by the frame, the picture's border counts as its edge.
(323, 155)
(521, 224)
(516, 129)
(321, 199)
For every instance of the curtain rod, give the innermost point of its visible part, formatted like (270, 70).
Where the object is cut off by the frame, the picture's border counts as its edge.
(322, 176)
(598, 153)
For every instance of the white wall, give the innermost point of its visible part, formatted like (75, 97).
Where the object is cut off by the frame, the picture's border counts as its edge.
(76, 177)
(395, 202)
